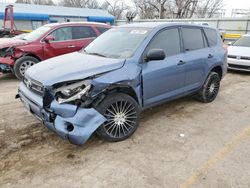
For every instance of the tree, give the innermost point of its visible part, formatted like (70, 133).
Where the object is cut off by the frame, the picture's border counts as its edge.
(117, 8)
(209, 8)
(144, 10)
(80, 3)
(43, 2)
(185, 8)
(148, 9)
(24, 1)
(37, 2)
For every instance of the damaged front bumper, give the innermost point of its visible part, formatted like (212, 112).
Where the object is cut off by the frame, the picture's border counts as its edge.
(68, 121)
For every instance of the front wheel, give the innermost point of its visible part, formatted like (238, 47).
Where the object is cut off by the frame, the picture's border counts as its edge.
(210, 89)
(122, 113)
(22, 64)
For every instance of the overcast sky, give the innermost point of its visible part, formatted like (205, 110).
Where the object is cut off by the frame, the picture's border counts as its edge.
(229, 4)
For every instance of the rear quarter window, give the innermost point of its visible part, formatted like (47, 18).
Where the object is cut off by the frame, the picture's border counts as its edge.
(102, 29)
(81, 32)
(211, 36)
(192, 39)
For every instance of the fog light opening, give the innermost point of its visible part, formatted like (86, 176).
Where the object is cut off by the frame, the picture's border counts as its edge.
(70, 127)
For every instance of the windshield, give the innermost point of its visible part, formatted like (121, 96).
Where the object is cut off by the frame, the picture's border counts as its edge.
(243, 41)
(36, 34)
(117, 42)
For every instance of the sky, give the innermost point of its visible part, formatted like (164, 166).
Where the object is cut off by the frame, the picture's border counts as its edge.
(229, 4)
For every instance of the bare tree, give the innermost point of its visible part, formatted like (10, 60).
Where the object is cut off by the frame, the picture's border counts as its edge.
(80, 3)
(183, 8)
(117, 8)
(24, 1)
(144, 10)
(209, 8)
(37, 2)
(159, 6)
(43, 2)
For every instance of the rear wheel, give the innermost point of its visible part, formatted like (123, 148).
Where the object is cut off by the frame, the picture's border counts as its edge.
(122, 113)
(210, 89)
(22, 64)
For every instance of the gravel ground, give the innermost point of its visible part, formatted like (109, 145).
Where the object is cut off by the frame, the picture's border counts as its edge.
(183, 143)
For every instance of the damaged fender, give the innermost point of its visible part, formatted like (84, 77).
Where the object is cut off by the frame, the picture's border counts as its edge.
(129, 76)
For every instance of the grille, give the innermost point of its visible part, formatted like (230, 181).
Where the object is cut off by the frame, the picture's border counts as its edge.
(239, 66)
(34, 85)
(238, 57)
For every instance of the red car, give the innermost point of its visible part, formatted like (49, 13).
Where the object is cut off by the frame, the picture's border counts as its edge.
(48, 41)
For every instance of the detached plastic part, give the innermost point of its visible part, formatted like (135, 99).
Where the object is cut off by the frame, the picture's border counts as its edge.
(76, 125)
(79, 128)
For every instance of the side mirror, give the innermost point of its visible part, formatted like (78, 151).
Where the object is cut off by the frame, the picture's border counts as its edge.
(49, 38)
(155, 54)
(230, 43)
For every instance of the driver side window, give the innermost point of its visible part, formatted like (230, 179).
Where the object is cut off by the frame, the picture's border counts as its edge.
(62, 34)
(167, 40)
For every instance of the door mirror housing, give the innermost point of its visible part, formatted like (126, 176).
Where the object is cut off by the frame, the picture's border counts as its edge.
(155, 54)
(49, 38)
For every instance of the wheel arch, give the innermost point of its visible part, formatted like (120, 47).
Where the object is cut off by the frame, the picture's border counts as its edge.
(217, 69)
(123, 89)
(31, 55)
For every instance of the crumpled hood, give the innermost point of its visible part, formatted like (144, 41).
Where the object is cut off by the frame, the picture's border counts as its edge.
(239, 51)
(73, 66)
(9, 42)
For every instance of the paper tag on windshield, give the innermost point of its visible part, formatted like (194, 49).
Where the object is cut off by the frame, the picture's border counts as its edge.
(138, 32)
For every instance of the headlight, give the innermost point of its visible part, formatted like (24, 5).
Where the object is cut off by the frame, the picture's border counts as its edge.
(73, 92)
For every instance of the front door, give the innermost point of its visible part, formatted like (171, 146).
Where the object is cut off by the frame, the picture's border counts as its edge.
(164, 79)
(63, 43)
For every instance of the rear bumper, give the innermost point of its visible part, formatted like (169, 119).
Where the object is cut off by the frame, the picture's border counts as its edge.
(68, 121)
(239, 65)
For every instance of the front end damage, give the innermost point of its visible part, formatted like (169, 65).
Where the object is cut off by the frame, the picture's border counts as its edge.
(69, 121)
(69, 107)
(8, 56)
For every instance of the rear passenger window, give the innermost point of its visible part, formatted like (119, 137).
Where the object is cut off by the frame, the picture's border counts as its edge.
(211, 36)
(102, 29)
(81, 32)
(192, 39)
(168, 40)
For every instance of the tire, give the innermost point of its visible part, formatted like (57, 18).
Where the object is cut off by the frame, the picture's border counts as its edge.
(122, 113)
(210, 89)
(22, 64)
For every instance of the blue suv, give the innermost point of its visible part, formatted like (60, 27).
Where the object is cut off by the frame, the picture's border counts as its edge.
(104, 87)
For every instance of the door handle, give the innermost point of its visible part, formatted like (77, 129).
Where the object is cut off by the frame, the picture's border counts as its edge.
(181, 62)
(210, 56)
(71, 46)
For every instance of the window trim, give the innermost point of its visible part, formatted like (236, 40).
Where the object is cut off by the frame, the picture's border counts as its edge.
(210, 46)
(142, 59)
(72, 40)
(203, 39)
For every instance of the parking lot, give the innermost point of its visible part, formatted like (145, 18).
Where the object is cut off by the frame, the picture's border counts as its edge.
(180, 144)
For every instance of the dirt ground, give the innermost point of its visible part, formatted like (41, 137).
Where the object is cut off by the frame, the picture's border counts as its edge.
(180, 144)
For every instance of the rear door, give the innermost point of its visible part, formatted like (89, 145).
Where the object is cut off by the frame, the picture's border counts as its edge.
(83, 35)
(63, 43)
(196, 55)
(163, 79)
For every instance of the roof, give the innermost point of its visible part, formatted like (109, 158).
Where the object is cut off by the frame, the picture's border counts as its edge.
(159, 24)
(77, 23)
(56, 10)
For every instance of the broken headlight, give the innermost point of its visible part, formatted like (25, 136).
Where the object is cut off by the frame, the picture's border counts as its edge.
(73, 92)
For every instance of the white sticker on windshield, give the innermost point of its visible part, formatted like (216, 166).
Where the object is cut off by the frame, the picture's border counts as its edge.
(138, 32)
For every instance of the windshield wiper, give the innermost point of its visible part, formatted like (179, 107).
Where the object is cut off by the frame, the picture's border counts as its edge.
(95, 53)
